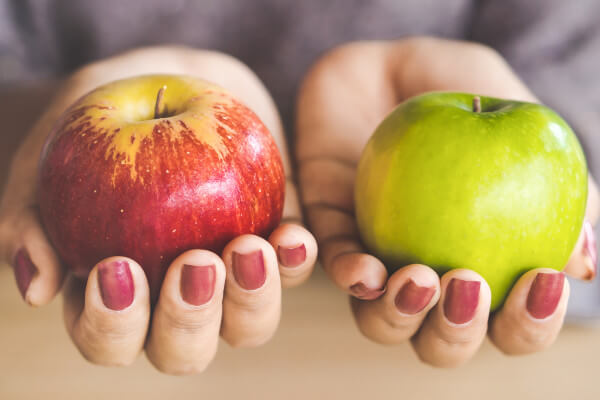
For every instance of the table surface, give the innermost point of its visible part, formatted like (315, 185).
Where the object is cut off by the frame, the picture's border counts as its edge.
(316, 353)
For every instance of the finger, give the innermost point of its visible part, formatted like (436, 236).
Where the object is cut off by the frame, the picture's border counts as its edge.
(394, 317)
(38, 271)
(342, 255)
(296, 253)
(292, 210)
(327, 193)
(185, 325)
(456, 327)
(252, 302)
(358, 274)
(107, 319)
(533, 313)
(583, 261)
(329, 208)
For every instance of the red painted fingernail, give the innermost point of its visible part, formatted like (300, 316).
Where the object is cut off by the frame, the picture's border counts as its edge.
(545, 294)
(364, 292)
(413, 298)
(249, 269)
(291, 256)
(24, 270)
(116, 284)
(589, 246)
(461, 300)
(197, 283)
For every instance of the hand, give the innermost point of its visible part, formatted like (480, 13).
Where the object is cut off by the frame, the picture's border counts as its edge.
(342, 100)
(108, 317)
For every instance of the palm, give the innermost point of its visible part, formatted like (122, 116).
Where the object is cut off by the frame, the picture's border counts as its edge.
(342, 100)
(192, 309)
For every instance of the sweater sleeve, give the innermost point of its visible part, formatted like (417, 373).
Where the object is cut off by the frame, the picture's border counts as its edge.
(554, 46)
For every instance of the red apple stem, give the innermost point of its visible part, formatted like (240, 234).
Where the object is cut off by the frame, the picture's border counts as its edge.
(476, 104)
(158, 104)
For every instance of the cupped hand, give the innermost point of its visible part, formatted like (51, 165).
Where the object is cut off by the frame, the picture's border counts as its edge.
(343, 98)
(236, 294)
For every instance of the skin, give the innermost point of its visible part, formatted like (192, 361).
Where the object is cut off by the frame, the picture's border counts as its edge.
(343, 98)
(182, 338)
(329, 142)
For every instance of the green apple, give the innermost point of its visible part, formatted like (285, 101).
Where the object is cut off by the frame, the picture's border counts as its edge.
(453, 180)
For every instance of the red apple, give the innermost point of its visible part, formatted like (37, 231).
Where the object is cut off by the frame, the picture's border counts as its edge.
(152, 166)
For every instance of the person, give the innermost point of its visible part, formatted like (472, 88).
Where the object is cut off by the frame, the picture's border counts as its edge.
(350, 87)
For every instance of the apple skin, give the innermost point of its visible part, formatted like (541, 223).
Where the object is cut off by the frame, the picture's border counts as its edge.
(115, 181)
(500, 191)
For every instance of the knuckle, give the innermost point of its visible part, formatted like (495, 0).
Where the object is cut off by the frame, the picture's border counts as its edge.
(99, 355)
(249, 330)
(453, 338)
(483, 52)
(178, 370)
(531, 340)
(247, 304)
(391, 335)
(247, 341)
(291, 279)
(439, 360)
(107, 67)
(417, 42)
(382, 328)
(514, 336)
(332, 62)
(441, 352)
(401, 324)
(106, 329)
(416, 47)
(424, 44)
(253, 309)
(347, 51)
(536, 337)
(190, 323)
(175, 367)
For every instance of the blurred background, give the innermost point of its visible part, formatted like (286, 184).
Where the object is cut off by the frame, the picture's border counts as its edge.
(317, 352)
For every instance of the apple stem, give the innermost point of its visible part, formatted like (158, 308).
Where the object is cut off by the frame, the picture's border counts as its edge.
(476, 104)
(158, 104)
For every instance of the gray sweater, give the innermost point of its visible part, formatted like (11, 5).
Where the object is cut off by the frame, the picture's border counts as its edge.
(554, 45)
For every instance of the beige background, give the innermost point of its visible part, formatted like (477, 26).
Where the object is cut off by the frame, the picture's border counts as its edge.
(317, 352)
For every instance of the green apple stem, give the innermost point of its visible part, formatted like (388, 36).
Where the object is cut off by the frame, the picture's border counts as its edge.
(158, 104)
(476, 104)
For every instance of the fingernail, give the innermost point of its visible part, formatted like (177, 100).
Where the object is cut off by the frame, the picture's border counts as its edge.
(24, 270)
(116, 284)
(364, 292)
(197, 283)
(249, 269)
(461, 300)
(413, 298)
(291, 256)
(544, 294)
(589, 246)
